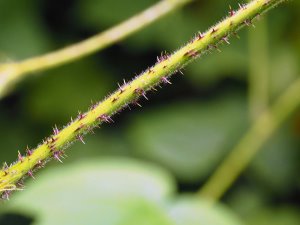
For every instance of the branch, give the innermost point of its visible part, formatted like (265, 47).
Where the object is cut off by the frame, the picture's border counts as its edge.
(10, 73)
(240, 157)
(129, 93)
(258, 77)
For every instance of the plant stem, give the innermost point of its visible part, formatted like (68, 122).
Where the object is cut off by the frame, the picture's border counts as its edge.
(54, 146)
(258, 70)
(251, 143)
(10, 73)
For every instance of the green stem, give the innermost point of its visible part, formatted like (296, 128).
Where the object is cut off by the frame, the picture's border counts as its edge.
(12, 72)
(54, 146)
(258, 70)
(251, 143)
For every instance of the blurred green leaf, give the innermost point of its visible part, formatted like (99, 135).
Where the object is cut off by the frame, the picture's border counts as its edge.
(189, 137)
(107, 191)
(113, 192)
(189, 210)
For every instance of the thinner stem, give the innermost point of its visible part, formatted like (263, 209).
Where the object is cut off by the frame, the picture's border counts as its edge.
(240, 157)
(12, 72)
(258, 69)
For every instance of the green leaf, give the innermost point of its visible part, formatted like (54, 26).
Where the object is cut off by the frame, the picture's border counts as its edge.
(108, 191)
(189, 210)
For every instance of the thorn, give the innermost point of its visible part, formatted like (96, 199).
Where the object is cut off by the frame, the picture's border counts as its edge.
(214, 30)
(53, 139)
(93, 106)
(231, 11)
(225, 39)
(56, 156)
(242, 6)
(5, 195)
(20, 184)
(121, 88)
(163, 56)
(153, 88)
(140, 91)
(144, 95)
(81, 116)
(28, 151)
(136, 103)
(90, 129)
(247, 23)
(165, 80)
(80, 138)
(180, 72)
(200, 36)
(30, 174)
(20, 157)
(39, 164)
(105, 118)
(150, 70)
(55, 130)
(5, 168)
(127, 105)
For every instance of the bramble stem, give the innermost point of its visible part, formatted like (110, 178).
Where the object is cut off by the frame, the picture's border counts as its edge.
(10, 73)
(251, 143)
(53, 147)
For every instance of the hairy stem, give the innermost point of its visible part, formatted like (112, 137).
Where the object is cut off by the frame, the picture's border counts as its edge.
(240, 157)
(53, 147)
(12, 72)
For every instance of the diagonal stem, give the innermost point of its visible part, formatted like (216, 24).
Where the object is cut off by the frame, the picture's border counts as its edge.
(129, 93)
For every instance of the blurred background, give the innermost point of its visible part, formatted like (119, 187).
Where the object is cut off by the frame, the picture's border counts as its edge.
(147, 166)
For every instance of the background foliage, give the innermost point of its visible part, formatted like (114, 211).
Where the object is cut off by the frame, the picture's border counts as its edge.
(145, 168)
